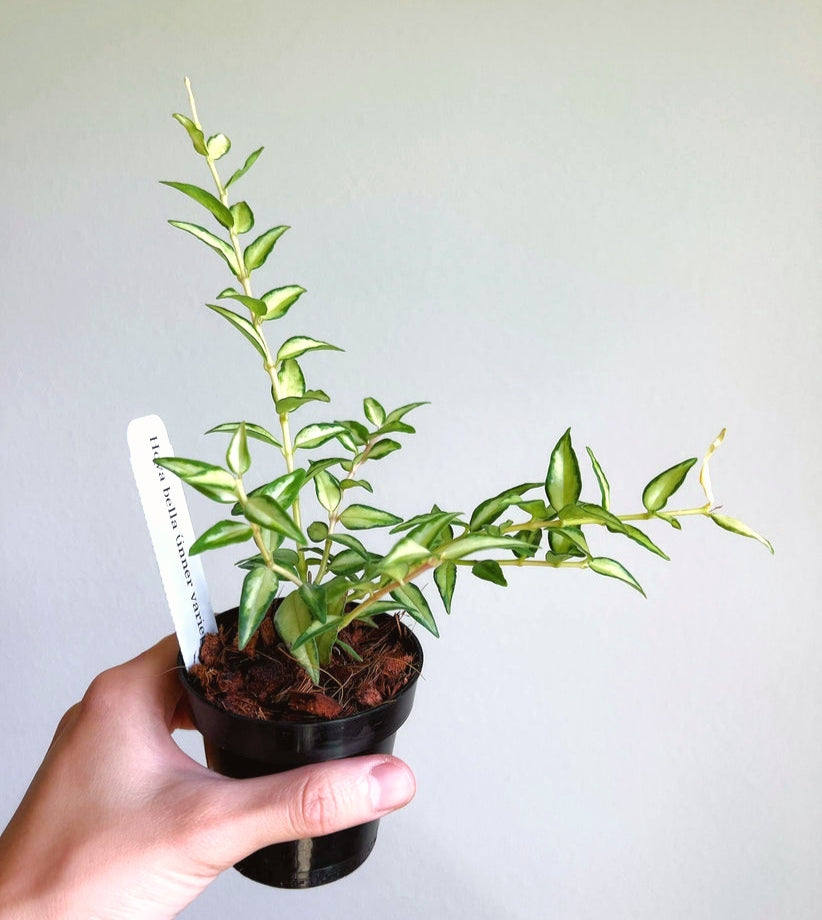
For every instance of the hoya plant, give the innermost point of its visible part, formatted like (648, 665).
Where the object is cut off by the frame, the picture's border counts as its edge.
(319, 562)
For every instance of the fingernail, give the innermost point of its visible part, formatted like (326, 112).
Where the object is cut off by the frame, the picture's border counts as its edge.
(392, 785)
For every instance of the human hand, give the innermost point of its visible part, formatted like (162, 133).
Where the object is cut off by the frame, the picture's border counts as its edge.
(120, 823)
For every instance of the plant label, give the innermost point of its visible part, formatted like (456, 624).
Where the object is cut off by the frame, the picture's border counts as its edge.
(169, 525)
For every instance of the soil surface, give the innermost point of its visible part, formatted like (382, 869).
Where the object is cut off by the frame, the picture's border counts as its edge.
(263, 681)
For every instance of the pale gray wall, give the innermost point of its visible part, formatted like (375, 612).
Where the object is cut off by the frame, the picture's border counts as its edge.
(602, 214)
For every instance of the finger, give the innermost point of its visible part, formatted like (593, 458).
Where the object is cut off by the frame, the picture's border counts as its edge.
(308, 802)
(150, 682)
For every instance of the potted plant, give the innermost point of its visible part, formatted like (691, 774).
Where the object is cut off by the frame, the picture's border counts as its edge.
(316, 662)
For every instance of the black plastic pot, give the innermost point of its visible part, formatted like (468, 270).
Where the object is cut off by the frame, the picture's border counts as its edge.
(241, 747)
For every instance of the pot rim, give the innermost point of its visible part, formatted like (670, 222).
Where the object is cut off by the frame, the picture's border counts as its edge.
(417, 650)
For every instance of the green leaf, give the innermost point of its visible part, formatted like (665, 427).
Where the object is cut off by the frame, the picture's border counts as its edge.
(258, 593)
(299, 344)
(638, 536)
(533, 538)
(351, 542)
(356, 484)
(575, 537)
(252, 431)
(558, 559)
(417, 519)
(563, 483)
(254, 304)
(218, 146)
(207, 200)
(473, 543)
(315, 631)
(397, 414)
(313, 596)
(223, 533)
(328, 490)
(290, 380)
(242, 216)
(285, 557)
(269, 513)
(489, 570)
(317, 531)
(316, 466)
(325, 647)
(272, 541)
(284, 489)
(252, 159)
(349, 651)
(387, 606)
(416, 604)
(562, 545)
(292, 619)
(347, 562)
(427, 532)
(604, 487)
(279, 301)
(291, 403)
(214, 242)
(445, 578)
(374, 412)
(489, 510)
(613, 569)
(735, 526)
(257, 252)
(402, 557)
(315, 435)
(538, 510)
(348, 443)
(362, 517)
(251, 563)
(396, 427)
(584, 512)
(196, 135)
(662, 487)
(213, 481)
(237, 457)
(383, 448)
(242, 324)
(359, 433)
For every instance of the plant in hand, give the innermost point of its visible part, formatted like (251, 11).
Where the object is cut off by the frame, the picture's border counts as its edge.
(327, 573)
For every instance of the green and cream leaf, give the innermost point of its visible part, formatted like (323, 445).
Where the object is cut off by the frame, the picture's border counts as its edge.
(258, 593)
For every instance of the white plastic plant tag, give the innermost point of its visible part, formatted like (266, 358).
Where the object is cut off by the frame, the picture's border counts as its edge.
(169, 524)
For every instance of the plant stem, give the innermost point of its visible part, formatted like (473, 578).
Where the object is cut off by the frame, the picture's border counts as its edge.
(523, 562)
(269, 363)
(643, 516)
(387, 589)
(256, 532)
(333, 516)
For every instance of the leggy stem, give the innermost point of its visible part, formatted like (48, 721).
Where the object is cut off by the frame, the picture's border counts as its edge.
(565, 564)
(583, 522)
(269, 362)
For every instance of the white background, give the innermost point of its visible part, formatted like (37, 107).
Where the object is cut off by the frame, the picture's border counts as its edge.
(535, 215)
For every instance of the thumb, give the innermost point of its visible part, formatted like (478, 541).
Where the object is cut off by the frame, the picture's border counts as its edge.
(308, 802)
